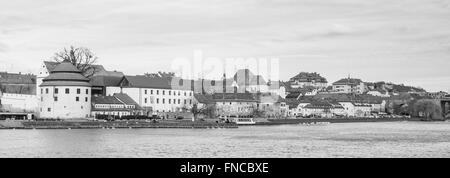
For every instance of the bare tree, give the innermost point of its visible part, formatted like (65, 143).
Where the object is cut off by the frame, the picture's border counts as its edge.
(81, 57)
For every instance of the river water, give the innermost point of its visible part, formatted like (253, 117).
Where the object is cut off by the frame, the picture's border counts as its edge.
(388, 139)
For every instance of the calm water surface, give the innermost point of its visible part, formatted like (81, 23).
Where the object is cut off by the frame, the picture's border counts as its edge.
(396, 139)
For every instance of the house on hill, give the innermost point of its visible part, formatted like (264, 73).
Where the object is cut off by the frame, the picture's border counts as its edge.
(349, 85)
(306, 79)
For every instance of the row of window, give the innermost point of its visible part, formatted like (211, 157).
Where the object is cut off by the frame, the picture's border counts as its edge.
(67, 91)
(107, 106)
(170, 101)
(174, 93)
(77, 99)
(50, 109)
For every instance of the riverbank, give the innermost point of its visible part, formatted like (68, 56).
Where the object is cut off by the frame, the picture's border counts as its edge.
(330, 120)
(180, 124)
(111, 125)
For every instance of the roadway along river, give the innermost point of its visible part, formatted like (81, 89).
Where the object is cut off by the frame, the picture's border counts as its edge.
(390, 139)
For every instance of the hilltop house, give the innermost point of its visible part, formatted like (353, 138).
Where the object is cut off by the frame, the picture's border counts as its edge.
(306, 79)
(349, 85)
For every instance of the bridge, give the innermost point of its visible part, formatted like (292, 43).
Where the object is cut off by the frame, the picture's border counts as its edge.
(445, 105)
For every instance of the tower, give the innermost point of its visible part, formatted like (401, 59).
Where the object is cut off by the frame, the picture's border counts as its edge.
(65, 94)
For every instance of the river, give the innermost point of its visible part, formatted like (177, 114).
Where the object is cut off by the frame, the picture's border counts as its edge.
(384, 139)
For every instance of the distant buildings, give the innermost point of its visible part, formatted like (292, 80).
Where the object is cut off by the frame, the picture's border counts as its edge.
(61, 91)
(438, 95)
(349, 85)
(305, 79)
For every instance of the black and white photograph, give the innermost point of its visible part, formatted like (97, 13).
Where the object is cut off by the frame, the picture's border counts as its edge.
(225, 79)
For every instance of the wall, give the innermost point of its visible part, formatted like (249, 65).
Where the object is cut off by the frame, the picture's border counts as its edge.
(66, 107)
(154, 98)
(19, 103)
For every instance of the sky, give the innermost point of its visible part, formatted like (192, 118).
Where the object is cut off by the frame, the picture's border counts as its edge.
(402, 41)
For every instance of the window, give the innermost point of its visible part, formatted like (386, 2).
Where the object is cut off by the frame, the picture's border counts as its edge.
(77, 98)
(174, 101)
(87, 91)
(78, 91)
(46, 91)
(184, 93)
(67, 91)
(179, 101)
(169, 101)
(157, 92)
(49, 109)
(170, 92)
(157, 100)
(42, 91)
(56, 91)
(145, 91)
(86, 99)
(185, 102)
(163, 101)
(190, 101)
(164, 92)
(151, 92)
(55, 98)
(145, 100)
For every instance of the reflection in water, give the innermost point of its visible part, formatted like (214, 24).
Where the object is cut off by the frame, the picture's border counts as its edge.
(396, 139)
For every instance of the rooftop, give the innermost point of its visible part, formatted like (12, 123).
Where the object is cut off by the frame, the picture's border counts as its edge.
(65, 74)
(348, 81)
(309, 77)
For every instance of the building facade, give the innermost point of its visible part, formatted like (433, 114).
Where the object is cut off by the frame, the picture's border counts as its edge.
(306, 79)
(65, 94)
(349, 85)
(154, 94)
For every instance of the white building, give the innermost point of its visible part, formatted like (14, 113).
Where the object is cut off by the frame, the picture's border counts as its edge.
(353, 109)
(12, 102)
(349, 85)
(65, 94)
(117, 105)
(320, 109)
(306, 79)
(154, 93)
(379, 93)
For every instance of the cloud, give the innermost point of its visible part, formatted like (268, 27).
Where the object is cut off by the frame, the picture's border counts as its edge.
(3, 47)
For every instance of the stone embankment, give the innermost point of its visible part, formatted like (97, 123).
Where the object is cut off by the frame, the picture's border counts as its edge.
(110, 125)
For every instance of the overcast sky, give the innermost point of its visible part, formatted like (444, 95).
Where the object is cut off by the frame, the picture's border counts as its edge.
(403, 41)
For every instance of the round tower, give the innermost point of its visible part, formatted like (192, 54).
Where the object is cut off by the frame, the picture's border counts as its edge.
(65, 94)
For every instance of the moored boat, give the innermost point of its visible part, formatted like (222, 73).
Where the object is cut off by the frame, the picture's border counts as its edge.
(244, 121)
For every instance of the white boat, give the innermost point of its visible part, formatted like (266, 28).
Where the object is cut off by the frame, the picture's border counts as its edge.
(315, 124)
(244, 121)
